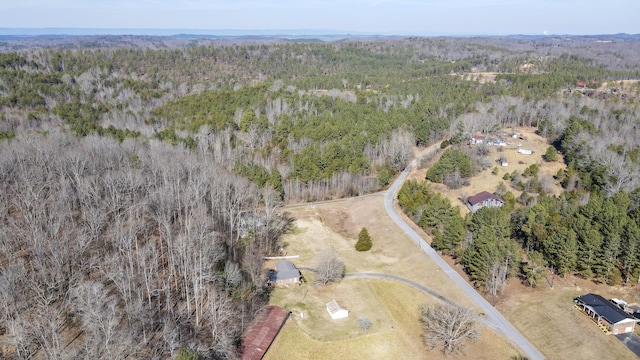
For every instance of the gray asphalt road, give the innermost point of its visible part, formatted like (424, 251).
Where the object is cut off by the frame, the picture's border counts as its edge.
(492, 317)
(631, 341)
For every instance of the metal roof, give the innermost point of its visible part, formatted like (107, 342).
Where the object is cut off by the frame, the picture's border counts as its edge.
(604, 308)
(264, 330)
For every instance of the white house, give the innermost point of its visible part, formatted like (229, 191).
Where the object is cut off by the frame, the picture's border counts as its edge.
(525, 152)
(337, 310)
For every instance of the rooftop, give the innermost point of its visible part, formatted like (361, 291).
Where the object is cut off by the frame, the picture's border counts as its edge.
(285, 270)
(264, 330)
(604, 308)
(482, 196)
(334, 306)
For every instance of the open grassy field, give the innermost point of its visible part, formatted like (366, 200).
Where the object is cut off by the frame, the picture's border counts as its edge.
(548, 318)
(395, 333)
(392, 307)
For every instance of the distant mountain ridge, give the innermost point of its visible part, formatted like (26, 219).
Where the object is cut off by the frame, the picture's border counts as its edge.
(31, 32)
(21, 33)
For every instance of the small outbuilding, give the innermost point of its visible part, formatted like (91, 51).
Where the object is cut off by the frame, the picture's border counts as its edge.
(606, 313)
(286, 274)
(337, 310)
(525, 152)
(476, 139)
(483, 199)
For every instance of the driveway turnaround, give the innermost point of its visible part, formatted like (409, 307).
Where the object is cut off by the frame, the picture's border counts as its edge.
(632, 341)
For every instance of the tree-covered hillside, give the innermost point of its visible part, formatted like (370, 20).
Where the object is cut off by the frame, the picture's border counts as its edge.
(143, 174)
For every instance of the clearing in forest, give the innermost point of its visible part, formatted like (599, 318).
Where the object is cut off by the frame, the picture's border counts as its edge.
(392, 307)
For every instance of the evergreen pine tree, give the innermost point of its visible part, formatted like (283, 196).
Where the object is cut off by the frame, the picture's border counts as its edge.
(364, 240)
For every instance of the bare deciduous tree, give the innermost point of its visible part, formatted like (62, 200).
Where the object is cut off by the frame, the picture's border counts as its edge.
(327, 267)
(497, 278)
(448, 326)
(102, 243)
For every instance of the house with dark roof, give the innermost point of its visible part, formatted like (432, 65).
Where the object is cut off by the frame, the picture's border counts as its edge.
(483, 199)
(286, 274)
(606, 313)
(263, 332)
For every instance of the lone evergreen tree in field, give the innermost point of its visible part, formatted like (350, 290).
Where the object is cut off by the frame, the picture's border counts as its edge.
(364, 240)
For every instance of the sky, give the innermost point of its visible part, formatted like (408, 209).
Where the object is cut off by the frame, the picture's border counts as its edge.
(383, 17)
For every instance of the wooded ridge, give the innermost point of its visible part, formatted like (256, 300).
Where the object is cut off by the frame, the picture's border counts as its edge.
(144, 174)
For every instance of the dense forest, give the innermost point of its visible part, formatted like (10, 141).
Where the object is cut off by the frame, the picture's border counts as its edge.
(144, 174)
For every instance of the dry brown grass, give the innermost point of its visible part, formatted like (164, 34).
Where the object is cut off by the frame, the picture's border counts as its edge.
(392, 307)
(395, 333)
(486, 181)
(548, 318)
(624, 86)
(545, 315)
(336, 225)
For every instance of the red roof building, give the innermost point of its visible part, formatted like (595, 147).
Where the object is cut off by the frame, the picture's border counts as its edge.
(264, 330)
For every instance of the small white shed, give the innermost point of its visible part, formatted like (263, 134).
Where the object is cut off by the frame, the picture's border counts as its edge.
(337, 310)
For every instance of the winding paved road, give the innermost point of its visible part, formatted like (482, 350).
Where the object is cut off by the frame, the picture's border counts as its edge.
(492, 317)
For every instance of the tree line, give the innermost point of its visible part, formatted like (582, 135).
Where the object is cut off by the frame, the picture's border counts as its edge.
(146, 180)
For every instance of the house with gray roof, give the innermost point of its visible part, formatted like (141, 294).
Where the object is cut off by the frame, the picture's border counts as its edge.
(286, 274)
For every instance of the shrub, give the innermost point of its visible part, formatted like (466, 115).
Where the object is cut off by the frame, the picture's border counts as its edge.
(532, 170)
(551, 154)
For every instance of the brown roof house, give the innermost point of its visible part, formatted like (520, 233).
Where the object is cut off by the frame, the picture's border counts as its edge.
(483, 199)
(286, 274)
(264, 330)
(606, 313)
(337, 310)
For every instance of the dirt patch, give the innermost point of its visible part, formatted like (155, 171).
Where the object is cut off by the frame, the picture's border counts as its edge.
(481, 77)
(626, 87)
